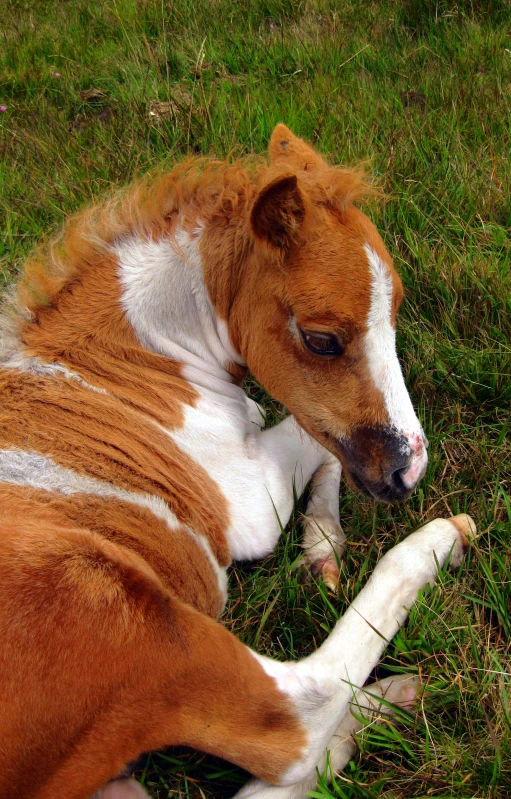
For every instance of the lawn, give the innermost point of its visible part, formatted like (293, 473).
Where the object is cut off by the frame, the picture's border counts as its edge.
(93, 94)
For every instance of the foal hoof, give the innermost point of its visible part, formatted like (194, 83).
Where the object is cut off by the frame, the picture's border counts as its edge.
(401, 690)
(328, 570)
(466, 529)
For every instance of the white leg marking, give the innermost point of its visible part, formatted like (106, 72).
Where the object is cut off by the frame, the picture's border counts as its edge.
(323, 539)
(322, 685)
(364, 710)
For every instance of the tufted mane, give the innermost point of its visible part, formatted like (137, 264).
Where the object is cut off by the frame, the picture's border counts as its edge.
(196, 188)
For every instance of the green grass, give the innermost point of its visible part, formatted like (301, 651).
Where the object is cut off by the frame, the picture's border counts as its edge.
(422, 91)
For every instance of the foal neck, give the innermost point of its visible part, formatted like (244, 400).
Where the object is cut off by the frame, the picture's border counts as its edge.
(166, 301)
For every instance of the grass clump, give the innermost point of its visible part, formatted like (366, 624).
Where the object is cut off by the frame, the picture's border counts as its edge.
(98, 93)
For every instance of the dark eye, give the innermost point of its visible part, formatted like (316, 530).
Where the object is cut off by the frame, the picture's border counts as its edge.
(325, 344)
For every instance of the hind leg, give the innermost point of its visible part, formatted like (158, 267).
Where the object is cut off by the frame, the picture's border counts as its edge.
(129, 668)
(365, 710)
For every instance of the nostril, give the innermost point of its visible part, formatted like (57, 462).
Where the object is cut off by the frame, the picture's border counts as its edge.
(397, 479)
(414, 471)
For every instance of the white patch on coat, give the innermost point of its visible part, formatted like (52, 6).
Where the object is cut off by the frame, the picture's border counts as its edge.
(34, 365)
(168, 306)
(31, 469)
(256, 471)
(12, 349)
(380, 349)
(223, 444)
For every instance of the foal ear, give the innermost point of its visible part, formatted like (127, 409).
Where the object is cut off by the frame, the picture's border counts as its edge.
(278, 211)
(286, 148)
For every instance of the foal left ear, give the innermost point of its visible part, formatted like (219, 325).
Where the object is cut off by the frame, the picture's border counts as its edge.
(278, 211)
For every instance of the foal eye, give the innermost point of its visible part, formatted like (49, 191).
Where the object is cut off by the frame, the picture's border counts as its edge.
(324, 344)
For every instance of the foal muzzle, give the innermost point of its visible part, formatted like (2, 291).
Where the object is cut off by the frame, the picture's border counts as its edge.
(382, 462)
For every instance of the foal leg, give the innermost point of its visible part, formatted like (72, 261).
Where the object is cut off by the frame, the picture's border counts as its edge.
(365, 710)
(323, 538)
(324, 682)
(295, 458)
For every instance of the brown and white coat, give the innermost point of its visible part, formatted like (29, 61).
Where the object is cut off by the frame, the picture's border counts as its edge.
(133, 469)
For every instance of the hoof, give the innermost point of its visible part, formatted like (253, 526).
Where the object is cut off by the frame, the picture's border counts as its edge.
(328, 570)
(402, 690)
(399, 690)
(466, 527)
(323, 544)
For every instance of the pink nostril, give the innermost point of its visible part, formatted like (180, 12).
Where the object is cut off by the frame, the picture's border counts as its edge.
(416, 469)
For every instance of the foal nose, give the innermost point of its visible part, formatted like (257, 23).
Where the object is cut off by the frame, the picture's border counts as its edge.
(417, 465)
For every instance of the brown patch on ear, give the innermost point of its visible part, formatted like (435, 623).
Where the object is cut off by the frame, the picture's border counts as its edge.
(287, 148)
(278, 211)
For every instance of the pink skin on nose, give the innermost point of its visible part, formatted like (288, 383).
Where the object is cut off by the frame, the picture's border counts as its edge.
(418, 462)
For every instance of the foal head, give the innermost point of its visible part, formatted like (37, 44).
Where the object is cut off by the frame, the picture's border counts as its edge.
(315, 319)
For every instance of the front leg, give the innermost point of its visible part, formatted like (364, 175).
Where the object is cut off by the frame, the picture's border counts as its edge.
(323, 537)
(298, 458)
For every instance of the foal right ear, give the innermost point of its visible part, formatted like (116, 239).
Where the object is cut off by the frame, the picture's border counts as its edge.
(278, 211)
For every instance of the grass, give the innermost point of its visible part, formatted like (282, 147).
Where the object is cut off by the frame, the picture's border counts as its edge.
(421, 90)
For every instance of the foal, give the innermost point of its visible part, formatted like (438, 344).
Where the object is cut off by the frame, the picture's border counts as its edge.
(133, 469)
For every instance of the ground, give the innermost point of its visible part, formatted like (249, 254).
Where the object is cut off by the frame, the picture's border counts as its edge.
(92, 94)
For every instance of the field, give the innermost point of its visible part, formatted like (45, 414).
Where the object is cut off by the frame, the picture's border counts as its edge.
(93, 94)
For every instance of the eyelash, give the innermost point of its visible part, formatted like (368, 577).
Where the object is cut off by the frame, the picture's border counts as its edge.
(325, 345)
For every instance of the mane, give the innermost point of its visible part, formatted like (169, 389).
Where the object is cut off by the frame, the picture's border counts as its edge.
(211, 190)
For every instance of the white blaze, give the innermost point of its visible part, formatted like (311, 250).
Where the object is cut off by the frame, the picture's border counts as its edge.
(380, 349)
